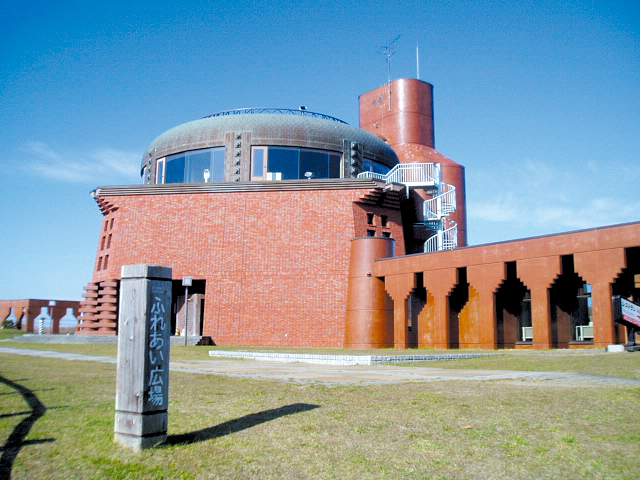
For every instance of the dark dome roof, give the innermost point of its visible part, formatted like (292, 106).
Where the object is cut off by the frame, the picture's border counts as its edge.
(269, 129)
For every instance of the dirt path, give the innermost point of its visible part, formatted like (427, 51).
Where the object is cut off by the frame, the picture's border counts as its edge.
(357, 374)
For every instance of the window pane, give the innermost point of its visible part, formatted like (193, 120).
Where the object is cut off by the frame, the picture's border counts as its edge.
(334, 166)
(371, 166)
(217, 164)
(198, 163)
(175, 170)
(285, 161)
(313, 164)
(258, 162)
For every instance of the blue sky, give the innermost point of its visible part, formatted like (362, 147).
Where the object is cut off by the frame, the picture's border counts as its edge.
(539, 100)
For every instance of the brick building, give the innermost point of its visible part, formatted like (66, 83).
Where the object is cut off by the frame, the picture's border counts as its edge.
(22, 313)
(283, 219)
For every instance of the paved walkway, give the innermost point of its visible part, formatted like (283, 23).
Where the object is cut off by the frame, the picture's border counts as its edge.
(354, 375)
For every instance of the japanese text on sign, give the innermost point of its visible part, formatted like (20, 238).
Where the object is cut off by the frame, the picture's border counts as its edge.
(156, 355)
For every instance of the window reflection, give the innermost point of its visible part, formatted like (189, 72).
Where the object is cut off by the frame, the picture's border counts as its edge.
(295, 163)
(199, 166)
(174, 172)
(258, 162)
(313, 165)
(284, 161)
(375, 167)
(198, 163)
(272, 163)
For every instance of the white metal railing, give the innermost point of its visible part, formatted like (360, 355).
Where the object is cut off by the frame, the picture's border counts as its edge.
(415, 173)
(375, 176)
(409, 173)
(445, 238)
(442, 204)
(436, 209)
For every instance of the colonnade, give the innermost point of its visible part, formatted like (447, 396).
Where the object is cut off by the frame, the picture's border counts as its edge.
(461, 298)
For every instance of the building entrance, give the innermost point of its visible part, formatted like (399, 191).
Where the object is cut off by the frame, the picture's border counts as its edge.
(195, 305)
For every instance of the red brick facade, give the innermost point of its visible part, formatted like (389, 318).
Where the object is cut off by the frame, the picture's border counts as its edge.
(275, 262)
(464, 303)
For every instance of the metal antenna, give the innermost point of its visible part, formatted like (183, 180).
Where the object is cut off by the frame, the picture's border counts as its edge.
(388, 51)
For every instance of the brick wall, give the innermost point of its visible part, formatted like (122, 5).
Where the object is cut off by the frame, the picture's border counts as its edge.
(275, 262)
(32, 307)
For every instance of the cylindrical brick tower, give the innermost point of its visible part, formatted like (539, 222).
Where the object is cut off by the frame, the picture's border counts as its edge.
(401, 113)
(369, 321)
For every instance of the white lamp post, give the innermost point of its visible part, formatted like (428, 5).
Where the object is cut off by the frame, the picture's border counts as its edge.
(186, 283)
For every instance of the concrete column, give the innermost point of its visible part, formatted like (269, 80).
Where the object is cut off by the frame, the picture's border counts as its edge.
(434, 327)
(484, 279)
(599, 269)
(142, 384)
(538, 274)
(55, 323)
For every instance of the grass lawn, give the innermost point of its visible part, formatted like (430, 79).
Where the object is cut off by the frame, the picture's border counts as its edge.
(8, 333)
(244, 429)
(594, 361)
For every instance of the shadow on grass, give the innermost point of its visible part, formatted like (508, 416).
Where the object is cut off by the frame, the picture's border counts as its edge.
(236, 425)
(16, 441)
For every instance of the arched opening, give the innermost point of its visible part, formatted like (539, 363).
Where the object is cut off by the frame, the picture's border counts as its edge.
(571, 308)
(415, 304)
(513, 311)
(458, 298)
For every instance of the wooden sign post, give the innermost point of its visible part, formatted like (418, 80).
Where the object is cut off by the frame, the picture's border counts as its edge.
(142, 384)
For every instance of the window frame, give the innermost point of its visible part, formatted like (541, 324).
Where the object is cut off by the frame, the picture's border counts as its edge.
(161, 168)
(273, 176)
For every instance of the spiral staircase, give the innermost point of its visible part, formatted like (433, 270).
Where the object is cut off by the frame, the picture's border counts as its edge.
(436, 209)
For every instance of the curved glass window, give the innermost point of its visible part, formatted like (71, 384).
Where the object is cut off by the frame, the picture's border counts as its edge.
(281, 163)
(197, 166)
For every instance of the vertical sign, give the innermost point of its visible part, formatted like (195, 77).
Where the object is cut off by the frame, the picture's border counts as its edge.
(144, 323)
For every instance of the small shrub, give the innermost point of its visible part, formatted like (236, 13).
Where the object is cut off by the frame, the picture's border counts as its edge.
(8, 324)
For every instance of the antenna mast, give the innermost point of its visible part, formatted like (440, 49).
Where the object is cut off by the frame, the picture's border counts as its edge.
(389, 51)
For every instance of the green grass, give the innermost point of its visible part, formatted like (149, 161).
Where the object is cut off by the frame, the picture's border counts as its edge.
(577, 361)
(596, 362)
(9, 333)
(225, 427)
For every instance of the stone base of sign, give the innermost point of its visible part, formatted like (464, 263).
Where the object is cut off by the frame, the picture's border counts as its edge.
(135, 442)
(141, 423)
(615, 348)
(141, 430)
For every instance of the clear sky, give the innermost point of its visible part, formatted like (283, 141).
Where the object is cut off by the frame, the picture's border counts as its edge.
(539, 100)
